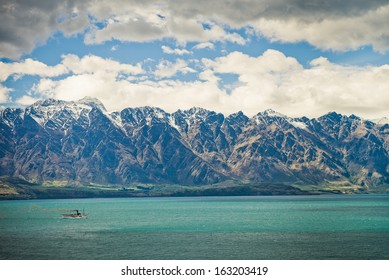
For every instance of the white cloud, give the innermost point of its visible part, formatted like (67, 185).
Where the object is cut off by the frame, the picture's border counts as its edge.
(205, 45)
(271, 61)
(4, 93)
(118, 94)
(127, 29)
(92, 64)
(192, 30)
(168, 50)
(144, 27)
(271, 80)
(26, 100)
(70, 65)
(87, 84)
(339, 33)
(84, 76)
(209, 75)
(45, 88)
(166, 69)
(30, 67)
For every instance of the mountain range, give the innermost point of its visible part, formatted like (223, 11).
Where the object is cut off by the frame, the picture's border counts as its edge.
(79, 141)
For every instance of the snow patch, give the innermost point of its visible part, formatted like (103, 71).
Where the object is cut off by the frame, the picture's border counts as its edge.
(159, 115)
(42, 112)
(172, 123)
(116, 120)
(299, 125)
(257, 120)
(38, 119)
(272, 113)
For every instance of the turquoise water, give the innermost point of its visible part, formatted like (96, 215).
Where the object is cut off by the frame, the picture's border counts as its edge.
(273, 227)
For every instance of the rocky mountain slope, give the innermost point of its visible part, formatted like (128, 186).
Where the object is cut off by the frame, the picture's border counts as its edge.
(55, 140)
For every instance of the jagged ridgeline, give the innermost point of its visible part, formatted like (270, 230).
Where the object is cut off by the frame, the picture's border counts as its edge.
(81, 142)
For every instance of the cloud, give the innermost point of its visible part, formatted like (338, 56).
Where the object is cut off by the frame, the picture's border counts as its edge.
(166, 69)
(128, 28)
(4, 93)
(168, 50)
(29, 67)
(332, 24)
(24, 24)
(70, 64)
(339, 33)
(87, 84)
(271, 80)
(93, 64)
(86, 75)
(26, 100)
(276, 81)
(151, 27)
(205, 45)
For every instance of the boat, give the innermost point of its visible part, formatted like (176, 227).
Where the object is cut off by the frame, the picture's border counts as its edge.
(75, 215)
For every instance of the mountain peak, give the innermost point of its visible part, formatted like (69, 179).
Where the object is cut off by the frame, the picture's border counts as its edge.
(238, 116)
(269, 116)
(48, 102)
(198, 111)
(272, 113)
(333, 116)
(93, 102)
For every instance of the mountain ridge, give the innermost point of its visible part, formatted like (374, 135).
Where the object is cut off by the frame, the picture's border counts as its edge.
(79, 141)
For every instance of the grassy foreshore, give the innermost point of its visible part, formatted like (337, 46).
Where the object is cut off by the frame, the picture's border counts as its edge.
(16, 188)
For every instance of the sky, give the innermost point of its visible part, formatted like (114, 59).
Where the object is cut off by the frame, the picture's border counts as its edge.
(300, 58)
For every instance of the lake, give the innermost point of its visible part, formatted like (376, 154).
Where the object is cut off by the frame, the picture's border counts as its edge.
(262, 227)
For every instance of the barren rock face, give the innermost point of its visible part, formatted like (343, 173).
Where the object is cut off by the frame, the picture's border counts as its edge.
(80, 141)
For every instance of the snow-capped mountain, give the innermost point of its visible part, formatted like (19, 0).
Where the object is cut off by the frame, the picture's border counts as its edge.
(81, 142)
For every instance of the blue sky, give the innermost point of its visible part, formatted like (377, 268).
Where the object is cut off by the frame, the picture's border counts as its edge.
(294, 57)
